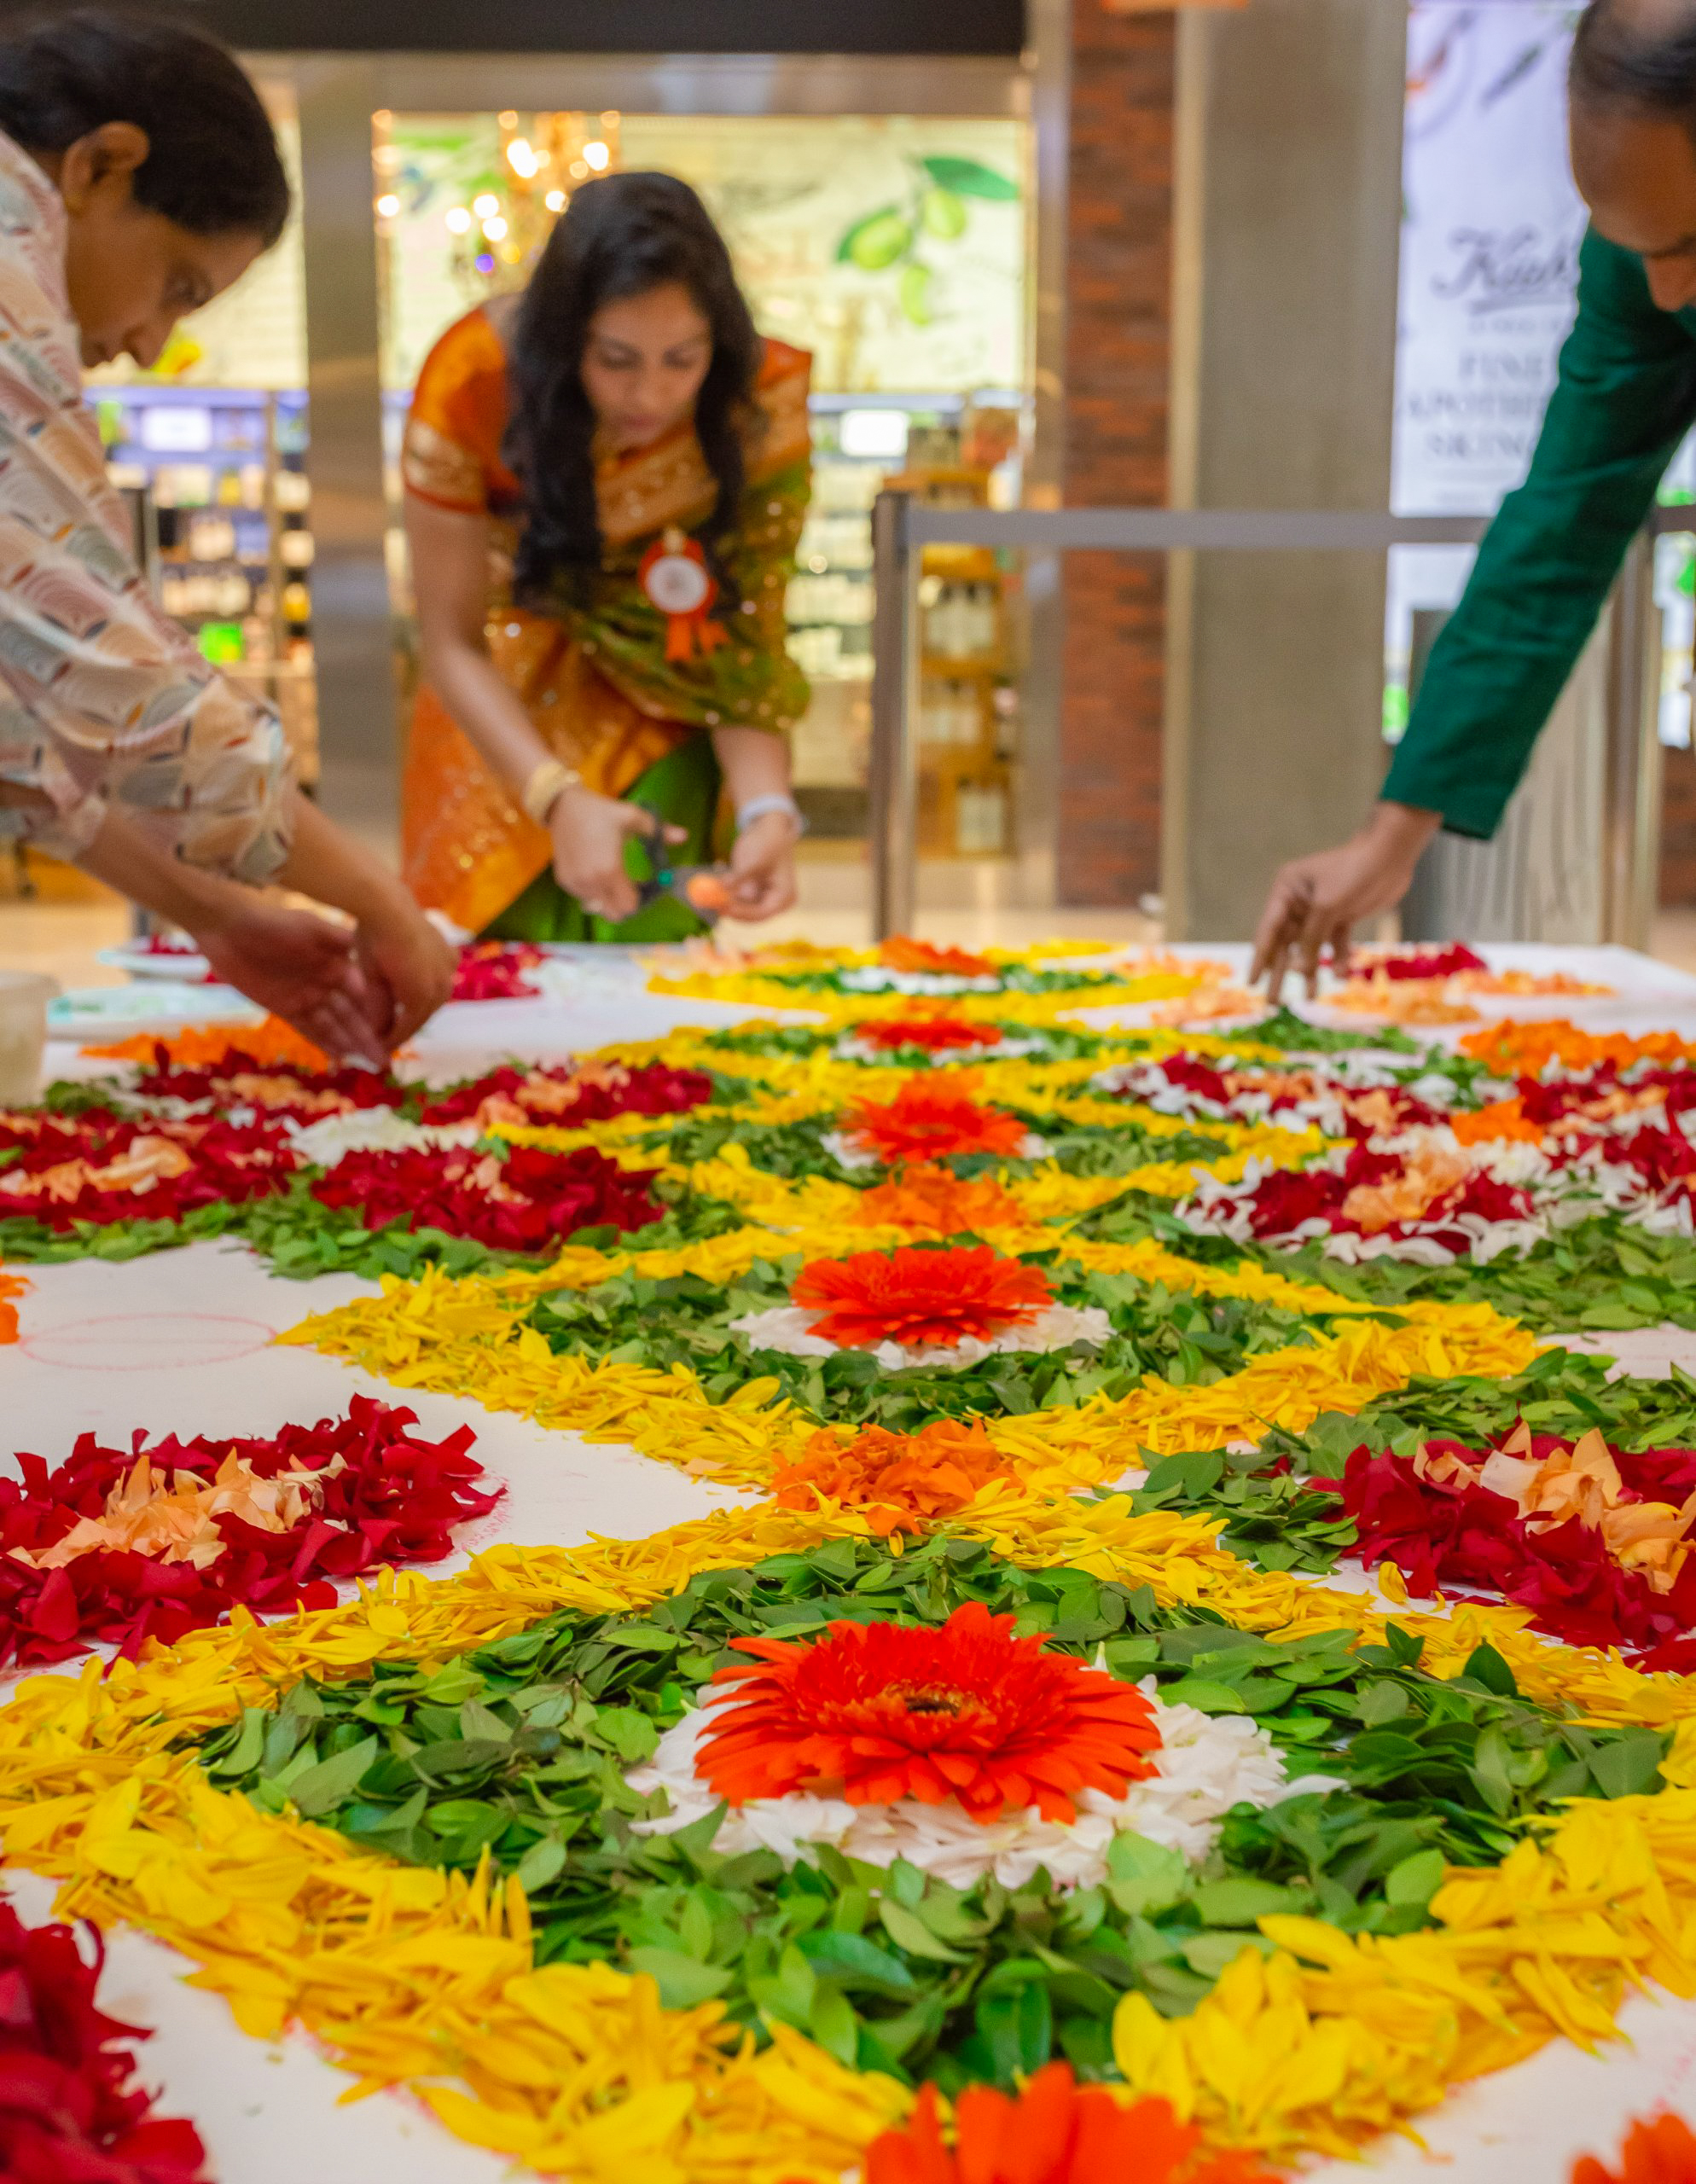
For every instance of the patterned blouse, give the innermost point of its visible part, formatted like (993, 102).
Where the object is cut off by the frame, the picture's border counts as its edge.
(103, 699)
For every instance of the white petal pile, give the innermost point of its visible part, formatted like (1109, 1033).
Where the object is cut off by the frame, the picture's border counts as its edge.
(371, 1129)
(1205, 1764)
(789, 1328)
(874, 978)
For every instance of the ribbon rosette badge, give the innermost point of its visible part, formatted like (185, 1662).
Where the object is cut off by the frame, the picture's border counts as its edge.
(674, 575)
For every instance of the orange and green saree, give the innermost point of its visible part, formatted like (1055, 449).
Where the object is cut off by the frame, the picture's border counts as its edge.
(593, 674)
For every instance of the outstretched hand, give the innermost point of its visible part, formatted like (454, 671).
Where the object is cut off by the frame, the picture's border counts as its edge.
(303, 969)
(1316, 901)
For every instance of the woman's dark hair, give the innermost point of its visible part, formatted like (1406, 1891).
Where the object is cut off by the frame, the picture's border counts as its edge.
(1637, 56)
(622, 235)
(212, 164)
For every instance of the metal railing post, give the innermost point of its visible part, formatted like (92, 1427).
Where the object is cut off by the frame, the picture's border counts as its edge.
(1631, 775)
(894, 776)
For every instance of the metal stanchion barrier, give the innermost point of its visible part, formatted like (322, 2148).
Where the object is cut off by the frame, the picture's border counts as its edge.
(902, 527)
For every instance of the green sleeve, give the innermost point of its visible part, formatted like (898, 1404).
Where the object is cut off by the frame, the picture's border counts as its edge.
(1624, 398)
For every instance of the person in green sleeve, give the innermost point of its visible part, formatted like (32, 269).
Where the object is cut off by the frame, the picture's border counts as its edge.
(1624, 398)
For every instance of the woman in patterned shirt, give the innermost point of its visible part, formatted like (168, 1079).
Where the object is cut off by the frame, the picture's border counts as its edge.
(138, 178)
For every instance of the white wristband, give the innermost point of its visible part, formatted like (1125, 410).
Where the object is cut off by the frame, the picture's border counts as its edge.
(758, 806)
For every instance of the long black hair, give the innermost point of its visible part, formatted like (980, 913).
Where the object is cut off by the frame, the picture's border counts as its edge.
(622, 235)
(212, 164)
(1634, 57)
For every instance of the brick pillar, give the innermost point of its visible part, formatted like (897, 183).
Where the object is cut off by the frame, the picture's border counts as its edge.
(1118, 297)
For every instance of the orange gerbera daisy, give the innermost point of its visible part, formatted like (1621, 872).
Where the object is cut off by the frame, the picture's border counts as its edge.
(1660, 2152)
(876, 1712)
(931, 1117)
(918, 1296)
(933, 1201)
(936, 1034)
(1053, 2132)
(11, 1284)
(903, 954)
(901, 1480)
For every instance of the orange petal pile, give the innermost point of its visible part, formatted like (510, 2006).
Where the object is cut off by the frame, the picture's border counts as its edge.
(1055, 2131)
(930, 1117)
(966, 1713)
(933, 1201)
(920, 1297)
(901, 1481)
(901, 953)
(1527, 1049)
(200, 1045)
(11, 1285)
(1662, 2151)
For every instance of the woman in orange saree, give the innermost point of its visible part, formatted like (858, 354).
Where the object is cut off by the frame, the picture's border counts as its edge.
(606, 481)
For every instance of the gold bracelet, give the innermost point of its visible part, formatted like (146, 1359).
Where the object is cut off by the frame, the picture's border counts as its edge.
(545, 787)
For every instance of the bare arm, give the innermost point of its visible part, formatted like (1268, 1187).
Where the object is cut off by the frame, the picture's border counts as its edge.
(450, 565)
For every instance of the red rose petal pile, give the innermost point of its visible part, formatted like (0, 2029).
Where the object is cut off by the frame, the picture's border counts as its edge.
(494, 970)
(1428, 1514)
(71, 2112)
(527, 1200)
(240, 1078)
(103, 1167)
(571, 1096)
(369, 1490)
(1399, 963)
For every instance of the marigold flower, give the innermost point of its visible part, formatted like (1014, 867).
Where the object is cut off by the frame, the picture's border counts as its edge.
(874, 1712)
(903, 954)
(900, 1480)
(930, 1118)
(935, 1034)
(919, 1297)
(933, 1201)
(1053, 2131)
(1662, 2151)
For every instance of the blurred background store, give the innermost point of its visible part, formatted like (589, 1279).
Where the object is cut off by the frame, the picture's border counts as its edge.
(1043, 252)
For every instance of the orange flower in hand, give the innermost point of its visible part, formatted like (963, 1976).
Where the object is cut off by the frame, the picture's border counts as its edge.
(1661, 2151)
(931, 1117)
(969, 1714)
(1054, 2132)
(920, 1297)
